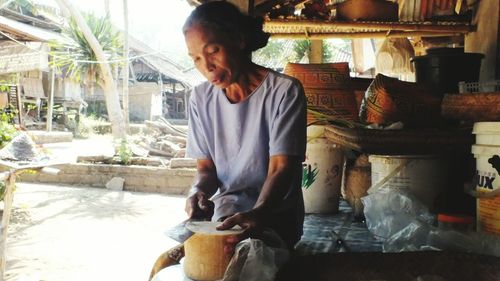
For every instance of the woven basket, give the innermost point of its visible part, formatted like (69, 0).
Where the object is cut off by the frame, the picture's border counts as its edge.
(388, 100)
(328, 76)
(401, 142)
(327, 87)
(473, 107)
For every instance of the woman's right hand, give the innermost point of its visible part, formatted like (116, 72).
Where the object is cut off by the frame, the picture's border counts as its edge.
(199, 207)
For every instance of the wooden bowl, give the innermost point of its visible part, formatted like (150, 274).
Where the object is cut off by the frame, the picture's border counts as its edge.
(204, 251)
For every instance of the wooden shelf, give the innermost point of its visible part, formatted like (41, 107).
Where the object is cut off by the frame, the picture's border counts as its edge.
(307, 29)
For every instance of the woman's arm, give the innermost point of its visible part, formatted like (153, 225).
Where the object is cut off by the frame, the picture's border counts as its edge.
(198, 205)
(276, 186)
(278, 182)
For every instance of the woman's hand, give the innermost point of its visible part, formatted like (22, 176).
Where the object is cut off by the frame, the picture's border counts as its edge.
(252, 223)
(199, 207)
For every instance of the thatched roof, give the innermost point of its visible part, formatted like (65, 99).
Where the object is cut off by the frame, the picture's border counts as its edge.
(25, 31)
(156, 60)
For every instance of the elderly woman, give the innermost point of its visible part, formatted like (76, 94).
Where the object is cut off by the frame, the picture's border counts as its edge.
(247, 129)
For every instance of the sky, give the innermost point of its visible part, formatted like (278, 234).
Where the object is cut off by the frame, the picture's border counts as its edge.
(157, 23)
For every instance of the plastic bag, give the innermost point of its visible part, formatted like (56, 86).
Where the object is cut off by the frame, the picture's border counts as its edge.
(405, 224)
(422, 237)
(389, 210)
(393, 56)
(256, 261)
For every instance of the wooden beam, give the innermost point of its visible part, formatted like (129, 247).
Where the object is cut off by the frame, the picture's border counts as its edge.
(19, 35)
(352, 35)
(459, 28)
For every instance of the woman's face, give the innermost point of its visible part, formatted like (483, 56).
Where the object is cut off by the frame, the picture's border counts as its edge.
(217, 59)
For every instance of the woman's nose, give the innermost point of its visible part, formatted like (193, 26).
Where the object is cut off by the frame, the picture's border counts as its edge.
(208, 65)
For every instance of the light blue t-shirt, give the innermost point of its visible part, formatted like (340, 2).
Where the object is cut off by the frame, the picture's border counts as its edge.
(240, 138)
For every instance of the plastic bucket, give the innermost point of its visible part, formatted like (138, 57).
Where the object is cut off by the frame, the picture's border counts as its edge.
(442, 68)
(424, 175)
(322, 173)
(487, 180)
(487, 133)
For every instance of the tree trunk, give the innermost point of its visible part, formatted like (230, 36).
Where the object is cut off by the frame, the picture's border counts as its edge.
(106, 7)
(110, 91)
(126, 64)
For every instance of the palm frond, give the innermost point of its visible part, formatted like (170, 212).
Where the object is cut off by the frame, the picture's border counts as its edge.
(77, 57)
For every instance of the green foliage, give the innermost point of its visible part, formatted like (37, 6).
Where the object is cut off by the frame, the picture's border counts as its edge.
(327, 52)
(7, 130)
(124, 152)
(278, 52)
(2, 190)
(301, 48)
(271, 51)
(336, 48)
(25, 7)
(88, 126)
(76, 55)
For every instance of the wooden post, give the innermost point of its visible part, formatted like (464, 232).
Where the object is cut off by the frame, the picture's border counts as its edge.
(19, 101)
(50, 104)
(9, 178)
(485, 39)
(160, 82)
(316, 54)
(186, 103)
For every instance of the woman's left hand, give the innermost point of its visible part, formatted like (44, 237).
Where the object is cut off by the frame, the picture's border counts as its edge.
(252, 223)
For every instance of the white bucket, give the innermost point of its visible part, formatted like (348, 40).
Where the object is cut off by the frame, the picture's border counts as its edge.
(424, 175)
(487, 179)
(322, 173)
(487, 133)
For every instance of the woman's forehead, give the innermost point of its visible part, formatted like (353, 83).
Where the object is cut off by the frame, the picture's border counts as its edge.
(206, 34)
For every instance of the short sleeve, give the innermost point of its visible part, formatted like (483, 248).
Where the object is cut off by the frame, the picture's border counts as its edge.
(288, 128)
(196, 146)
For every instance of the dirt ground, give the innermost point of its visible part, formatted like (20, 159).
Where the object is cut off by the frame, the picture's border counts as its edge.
(77, 233)
(87, 234)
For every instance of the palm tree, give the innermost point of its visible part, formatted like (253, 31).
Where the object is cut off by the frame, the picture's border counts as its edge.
(303, 47)
(77, 57)
(25, 7)
(92, 39)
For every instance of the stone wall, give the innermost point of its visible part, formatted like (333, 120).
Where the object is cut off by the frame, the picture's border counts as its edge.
(137, 178)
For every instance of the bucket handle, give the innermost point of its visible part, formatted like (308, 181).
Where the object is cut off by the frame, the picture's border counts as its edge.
(469, 189)
(385, 179)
